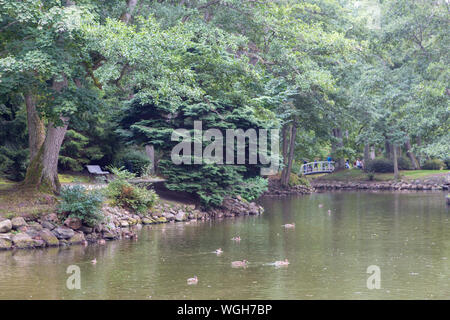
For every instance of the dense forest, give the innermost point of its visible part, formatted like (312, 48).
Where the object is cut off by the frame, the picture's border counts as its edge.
(96, 82)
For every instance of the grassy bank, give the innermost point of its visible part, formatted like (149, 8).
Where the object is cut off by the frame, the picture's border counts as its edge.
(359, 175)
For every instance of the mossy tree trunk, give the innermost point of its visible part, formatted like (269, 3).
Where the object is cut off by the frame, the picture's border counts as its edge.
(36, 127)
(42, 173)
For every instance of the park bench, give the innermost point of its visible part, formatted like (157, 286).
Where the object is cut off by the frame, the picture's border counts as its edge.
(97, 171)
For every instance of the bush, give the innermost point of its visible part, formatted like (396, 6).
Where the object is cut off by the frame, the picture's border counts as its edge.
(13, 162)
(434, 164)
(447, 163)
(295, 180)
(252, 188)
(126, 195)
(404, 163)
(82, 204)
(380, 165)
(133, 161)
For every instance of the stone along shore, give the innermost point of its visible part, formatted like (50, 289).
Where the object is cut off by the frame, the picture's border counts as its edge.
(54, 230)
(375, 185)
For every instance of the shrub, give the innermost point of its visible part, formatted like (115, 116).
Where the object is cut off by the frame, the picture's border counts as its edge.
(133, 161)
(434, 164)
(370, 175)
(380, 165)
(447, 163)
(82, 204)
(404, 163)
(252, 188)
(295, 180)
(126, 195)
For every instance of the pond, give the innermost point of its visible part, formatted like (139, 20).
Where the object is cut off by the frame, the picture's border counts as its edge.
(406, 235)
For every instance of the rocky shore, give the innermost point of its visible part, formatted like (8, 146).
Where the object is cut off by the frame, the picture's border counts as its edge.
(275, 189)
(377, 185)
(53, 229)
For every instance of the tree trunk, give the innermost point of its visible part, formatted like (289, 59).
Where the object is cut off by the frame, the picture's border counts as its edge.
(387, 149)
(126, 16)
(150, 151)
(396, 175)
(372, 152)
(42, 173)
(418, 142)
(410, 154)
(36, 128)
(285, 181)
(285, 133)
(366, 153)
(339, 162)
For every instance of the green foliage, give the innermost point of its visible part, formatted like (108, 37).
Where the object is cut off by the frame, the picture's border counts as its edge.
(295, 180)
(433, 164)
(404, 163)
(447, 163)
(79, 203)
(13, 139)
(124, 194)
(380, 165)
(252, 188)
(133, 161)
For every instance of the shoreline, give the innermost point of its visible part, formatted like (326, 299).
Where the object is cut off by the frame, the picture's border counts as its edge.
(52, 230)
(56, 230)
(380, 185)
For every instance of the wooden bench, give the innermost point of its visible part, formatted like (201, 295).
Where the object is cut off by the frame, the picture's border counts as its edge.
(97, 171)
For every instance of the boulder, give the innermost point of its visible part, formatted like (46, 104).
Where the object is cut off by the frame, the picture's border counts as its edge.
(73, 223)
(18, 222)
(146, 220)
(32, 230)
(124, 223)
(49, 238)
(52, 217)
(22, 241)
(77, 238)
(169, 216)
(63, 233)
(5, 226)
(86, 229)
(5, 241)
(161, 220)
(111, 235)
(38, 243)
(48, 225)
(181, 216)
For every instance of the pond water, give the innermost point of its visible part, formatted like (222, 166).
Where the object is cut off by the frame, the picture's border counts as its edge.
(407, 235)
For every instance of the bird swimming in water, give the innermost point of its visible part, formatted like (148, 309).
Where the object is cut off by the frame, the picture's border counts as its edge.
(236, 238)
(281, 263)
(193, 280)
(289, 225)
(237, 264)
(320, 205)
(94, 261)
(218, 251)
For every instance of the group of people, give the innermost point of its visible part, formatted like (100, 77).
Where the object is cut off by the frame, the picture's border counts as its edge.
(311, 167)
(357, 164)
